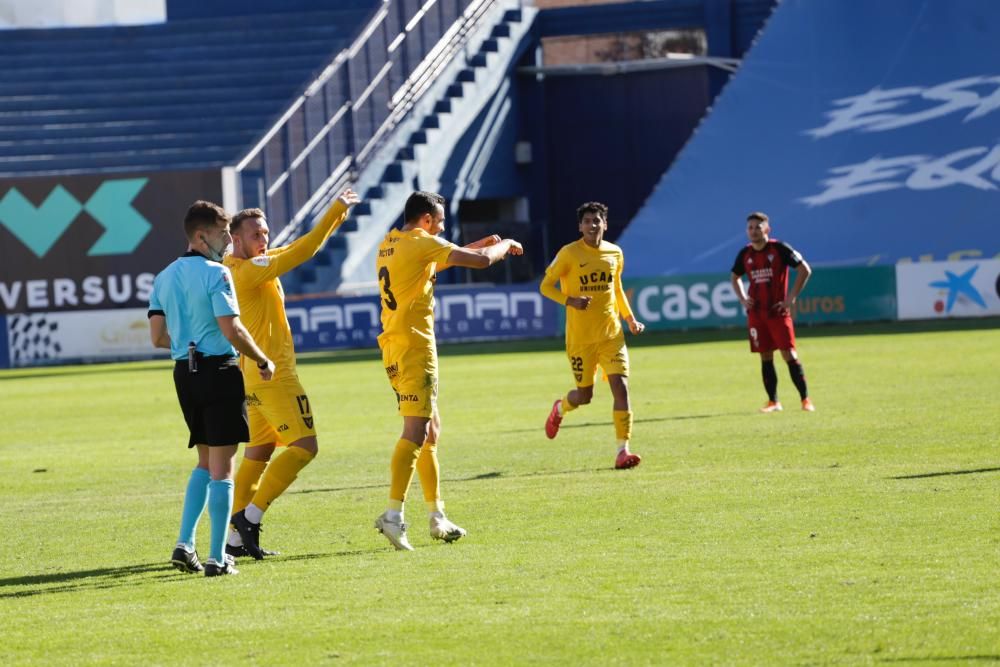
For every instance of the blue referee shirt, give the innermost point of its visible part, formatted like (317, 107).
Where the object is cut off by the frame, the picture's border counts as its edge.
(191, 292)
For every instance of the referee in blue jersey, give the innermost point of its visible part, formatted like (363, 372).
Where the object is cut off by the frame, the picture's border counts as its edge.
(193, 312)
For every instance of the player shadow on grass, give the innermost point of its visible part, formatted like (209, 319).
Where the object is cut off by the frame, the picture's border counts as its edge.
(644, 420)
(946, 473)
(69, 582)
(947, 658)
(496, 474)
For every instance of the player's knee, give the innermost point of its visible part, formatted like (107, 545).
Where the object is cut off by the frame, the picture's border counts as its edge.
(585, 395)
(309, 444)
(618, 383)
(259, 453)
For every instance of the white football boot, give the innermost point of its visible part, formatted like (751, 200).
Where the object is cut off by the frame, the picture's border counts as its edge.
(442, 529)
(394, 531)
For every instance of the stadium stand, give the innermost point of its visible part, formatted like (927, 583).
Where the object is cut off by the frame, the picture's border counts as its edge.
(181, 94)
(292, 103)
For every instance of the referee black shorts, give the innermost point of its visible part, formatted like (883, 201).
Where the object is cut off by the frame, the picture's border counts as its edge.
(213, 401)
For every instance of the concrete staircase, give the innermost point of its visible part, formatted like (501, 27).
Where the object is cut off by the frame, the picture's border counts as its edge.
(415, 154)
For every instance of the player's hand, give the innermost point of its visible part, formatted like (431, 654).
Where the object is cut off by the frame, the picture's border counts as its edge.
(784, 307)
(635, 326)
(578, 302)
(484, 242)
(747, 303)
(514, 248)
(349, 198)
(267, 372)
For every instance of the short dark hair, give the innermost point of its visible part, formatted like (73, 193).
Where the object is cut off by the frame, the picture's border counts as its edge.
(595, 207)
(757, 215)
(246, 214)
(421, 202)
(202, 215)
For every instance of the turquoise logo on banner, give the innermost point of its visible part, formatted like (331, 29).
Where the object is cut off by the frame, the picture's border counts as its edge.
(40, 227)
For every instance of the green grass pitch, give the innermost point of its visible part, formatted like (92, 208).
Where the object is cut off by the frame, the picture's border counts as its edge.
(866, 533)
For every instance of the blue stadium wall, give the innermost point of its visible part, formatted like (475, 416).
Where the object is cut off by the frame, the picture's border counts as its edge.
(868, 131)
(594, 136)
(609, 138)
(591, 137)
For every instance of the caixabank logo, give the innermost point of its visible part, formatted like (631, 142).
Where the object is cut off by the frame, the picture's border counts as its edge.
(92, 241)
(931, 290)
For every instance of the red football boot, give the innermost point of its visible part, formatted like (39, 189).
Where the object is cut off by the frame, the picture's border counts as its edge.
(554, 420)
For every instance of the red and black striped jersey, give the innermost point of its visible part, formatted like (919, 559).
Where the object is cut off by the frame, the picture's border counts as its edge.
(767, 270)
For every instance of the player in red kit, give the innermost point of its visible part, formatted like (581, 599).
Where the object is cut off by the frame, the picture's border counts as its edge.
(765, 262)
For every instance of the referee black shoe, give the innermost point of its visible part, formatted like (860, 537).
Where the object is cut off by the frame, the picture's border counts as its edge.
(213, 569)
(249, 533)
(186, 561)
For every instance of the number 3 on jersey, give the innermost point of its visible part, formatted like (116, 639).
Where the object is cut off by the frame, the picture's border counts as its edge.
(390, 298)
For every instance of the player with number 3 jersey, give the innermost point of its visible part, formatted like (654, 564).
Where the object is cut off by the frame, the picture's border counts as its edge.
(406, 264)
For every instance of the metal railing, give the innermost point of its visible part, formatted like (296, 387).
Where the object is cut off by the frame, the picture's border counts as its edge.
(333, 130)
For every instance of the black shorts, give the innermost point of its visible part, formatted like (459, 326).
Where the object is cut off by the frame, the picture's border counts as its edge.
(213, 401)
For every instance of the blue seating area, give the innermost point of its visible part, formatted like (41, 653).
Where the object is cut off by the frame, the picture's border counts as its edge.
(189, 93)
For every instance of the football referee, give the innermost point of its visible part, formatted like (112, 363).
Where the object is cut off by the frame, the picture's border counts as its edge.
(193, 312)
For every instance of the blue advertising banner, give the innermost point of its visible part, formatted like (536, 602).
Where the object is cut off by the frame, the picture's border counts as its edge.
(863, 150)
(496, 313)
(464, 314)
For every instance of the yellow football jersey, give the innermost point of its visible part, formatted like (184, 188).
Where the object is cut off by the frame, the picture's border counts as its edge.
(405, 266)
(582, 270)
(262, 299)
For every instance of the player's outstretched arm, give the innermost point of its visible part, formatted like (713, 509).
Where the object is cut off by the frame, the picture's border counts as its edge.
(480, 258)
(286, 258)
(484, 242)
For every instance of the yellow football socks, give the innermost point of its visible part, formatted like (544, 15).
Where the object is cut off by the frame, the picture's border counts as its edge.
(623, 424)
(566, 405)
(247, 481)
(404, 460)
(281, 472)
(430, 471)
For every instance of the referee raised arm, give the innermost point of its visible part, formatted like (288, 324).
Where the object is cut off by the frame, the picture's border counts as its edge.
(193, 312)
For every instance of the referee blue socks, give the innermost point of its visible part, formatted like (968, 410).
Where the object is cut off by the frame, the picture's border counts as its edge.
(220, 508)
(194, 505)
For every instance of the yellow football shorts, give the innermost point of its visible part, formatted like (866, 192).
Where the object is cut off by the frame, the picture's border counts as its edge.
(611, 354)
(279, 412)
(412, 372)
